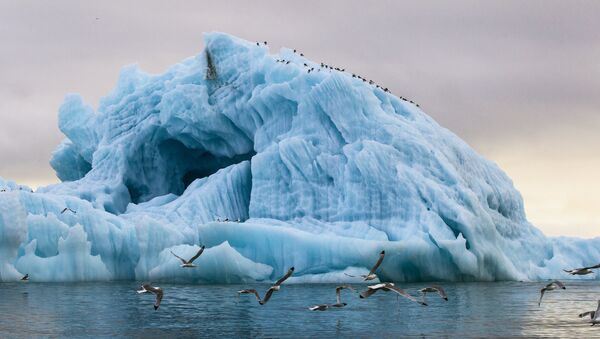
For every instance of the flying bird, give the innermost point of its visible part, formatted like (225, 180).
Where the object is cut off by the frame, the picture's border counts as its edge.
(436, 289)
(550, 287)
(275, 287)
(387, 287)
(594, 315)
(25, 277)
(67, 209)
(156, 290)
(372, 274)
(339, 303)
(582, 270)
(189, 263)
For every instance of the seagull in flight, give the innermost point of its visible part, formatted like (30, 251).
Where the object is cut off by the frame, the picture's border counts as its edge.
(582, 270)
(389, 287)
(67, 209)
(434, 289)
(275, 287)
(25, 277)
(372, 274)
(189, 263)
(156, 290)
(339, 303)
(594, 315)
(550, 287)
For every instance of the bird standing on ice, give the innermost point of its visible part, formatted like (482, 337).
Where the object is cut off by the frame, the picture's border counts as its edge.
(188, 263)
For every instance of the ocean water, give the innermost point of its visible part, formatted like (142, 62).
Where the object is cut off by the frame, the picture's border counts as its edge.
(501, 309)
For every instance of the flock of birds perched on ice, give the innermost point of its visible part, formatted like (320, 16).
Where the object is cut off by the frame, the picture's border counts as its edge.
(326, 67)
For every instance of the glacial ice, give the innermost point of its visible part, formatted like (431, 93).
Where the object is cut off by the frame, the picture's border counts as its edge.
(323, 171)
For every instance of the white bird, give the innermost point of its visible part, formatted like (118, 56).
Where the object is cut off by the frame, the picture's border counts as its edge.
(372, 274)
(188, 263)
(67, 209)
(582, 270)
(550, 287)
(275, 287)
(594, 315)
(156, 290)
(436, 289)
(338, 298)
(389, 287)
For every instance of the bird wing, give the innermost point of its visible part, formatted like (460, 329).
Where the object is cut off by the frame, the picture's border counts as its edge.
(178, 257)
(63, 211)
(441, 291)
(353, 276)
(592, 267)
(406, 295)
(159, 296)
(381, 256)
(151, 289)
(541, 296)
(596, 315)
(338, 298)
(282, 279)
(267, 296)
(558, 283)
(250, 291)
(197, 254)
(590, 313)
(369, 292)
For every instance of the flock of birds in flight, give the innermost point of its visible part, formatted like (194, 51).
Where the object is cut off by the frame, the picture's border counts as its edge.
(324, 66)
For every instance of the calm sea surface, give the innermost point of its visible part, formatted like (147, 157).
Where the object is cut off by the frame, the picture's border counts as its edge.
(503, 309)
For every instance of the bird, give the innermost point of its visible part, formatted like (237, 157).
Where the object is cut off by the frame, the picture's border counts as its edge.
(594, 315)
(287, 62)
(431, 289)
(257, 44)
(389, 287)
(372, 274)
(3, 190)
(25, 277)
(295, 51)
(156, 290)
(551, 286)
(338, 303)
(582, 270)
(67, 209)
(189, 263)
(265, 43)
(301, 54)
(275, 287)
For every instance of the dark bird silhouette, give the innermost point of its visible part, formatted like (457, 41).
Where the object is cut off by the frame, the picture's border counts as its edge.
(67, 209)
(25, 277)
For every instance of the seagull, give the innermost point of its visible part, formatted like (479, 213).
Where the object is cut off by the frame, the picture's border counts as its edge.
(372, 274)
(257, 44)
(275, 287)
(156, 290)
(25, 277)
(301, 54)
(67, 209)
(189, 263)
(265, 43)
(582, 270)
(389, 287)
(594, 315)
(551, 286)
(437, 289)
(338, 298)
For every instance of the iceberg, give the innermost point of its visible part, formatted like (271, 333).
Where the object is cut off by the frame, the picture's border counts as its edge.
(269, 166)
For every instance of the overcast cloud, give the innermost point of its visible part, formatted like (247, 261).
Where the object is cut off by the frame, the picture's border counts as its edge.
(519, 81)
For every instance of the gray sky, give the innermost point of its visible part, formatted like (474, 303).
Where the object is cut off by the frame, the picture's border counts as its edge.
(519, 81)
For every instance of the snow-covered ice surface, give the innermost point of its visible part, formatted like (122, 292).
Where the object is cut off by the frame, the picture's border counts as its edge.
(323, 169)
